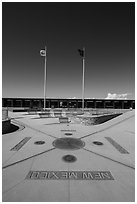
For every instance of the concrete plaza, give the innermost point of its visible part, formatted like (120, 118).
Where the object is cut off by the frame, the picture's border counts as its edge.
(98, 167)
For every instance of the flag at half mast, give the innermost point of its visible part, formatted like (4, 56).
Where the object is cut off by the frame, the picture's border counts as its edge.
(43, 53)
(81, 52)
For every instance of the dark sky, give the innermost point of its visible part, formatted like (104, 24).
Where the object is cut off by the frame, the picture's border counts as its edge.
(106, 30)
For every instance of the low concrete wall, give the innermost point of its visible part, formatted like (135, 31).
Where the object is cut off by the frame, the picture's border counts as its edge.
(95, 120)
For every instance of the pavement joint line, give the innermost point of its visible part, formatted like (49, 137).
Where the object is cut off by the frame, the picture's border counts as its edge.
(23, 126)
(22, 160)
(9, 157)
(130, 131)
(52, 124)
(113, 125)
(18, 122)
(15, 152)
(34, 158)
(68, 130)
(132, 167)
(23, 180)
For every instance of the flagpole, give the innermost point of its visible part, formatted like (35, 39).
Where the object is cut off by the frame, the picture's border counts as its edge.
(45, 78)
(83, 78)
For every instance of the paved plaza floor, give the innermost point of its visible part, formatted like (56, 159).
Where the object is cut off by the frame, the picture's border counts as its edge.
(48, 161)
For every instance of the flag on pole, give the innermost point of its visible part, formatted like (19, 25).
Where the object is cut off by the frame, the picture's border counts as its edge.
(43, 53)
(81, 52)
